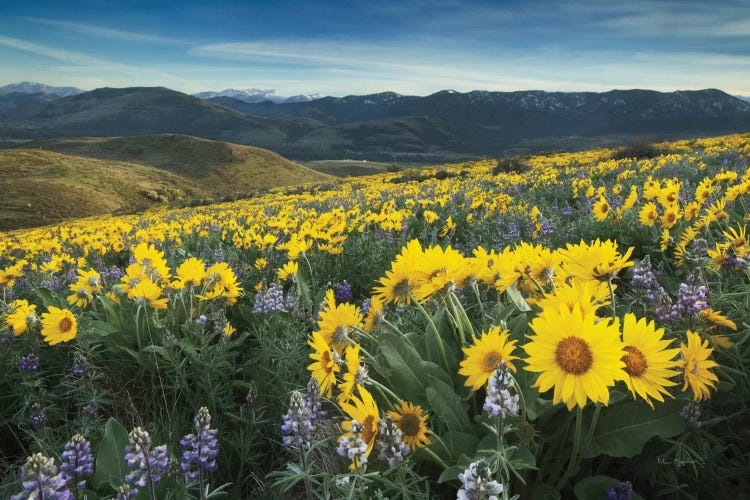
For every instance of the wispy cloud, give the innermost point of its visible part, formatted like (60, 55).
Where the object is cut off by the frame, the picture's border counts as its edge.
(59, 54)
(105, 32)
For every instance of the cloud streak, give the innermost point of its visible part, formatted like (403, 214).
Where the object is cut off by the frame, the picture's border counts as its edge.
(105, 32)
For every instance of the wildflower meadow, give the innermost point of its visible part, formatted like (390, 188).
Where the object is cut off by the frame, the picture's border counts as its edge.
(570, 325)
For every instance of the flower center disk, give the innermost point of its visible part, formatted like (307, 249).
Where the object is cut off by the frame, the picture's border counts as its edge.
(574, 355)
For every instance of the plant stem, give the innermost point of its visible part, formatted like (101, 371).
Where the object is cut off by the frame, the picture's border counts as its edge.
(574, 456)
(594, 420)
(612, 297)
(303, 460)
(434, 331)
(434, 456)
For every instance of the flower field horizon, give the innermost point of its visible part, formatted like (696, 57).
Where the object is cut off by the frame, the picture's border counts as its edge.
(570, 325)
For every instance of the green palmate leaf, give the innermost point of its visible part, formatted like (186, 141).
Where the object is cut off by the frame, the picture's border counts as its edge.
(110, 462)
(451, 473)
(595, 488)
(449, 409)
(624, 428)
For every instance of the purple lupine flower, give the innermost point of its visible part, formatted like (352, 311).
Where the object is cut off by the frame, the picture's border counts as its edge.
(692, 413)
(151, 462)
(390, 442)
(514, 230)
(343, 292)
(691, 299)
(548, 227)
(77, 460)
(42, 480)
(478, 483)
(29, 363)
(270, 300)
(113, 273)
(301, 421)
(38, 416)
(80, 366)
(126, 492)
(354, 447)
(365, 307)
(501, 394)
(201, 320)
(623, 491)
(201, 448)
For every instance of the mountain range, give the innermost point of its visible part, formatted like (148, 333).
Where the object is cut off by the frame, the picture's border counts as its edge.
(443, 126)
(256, 95)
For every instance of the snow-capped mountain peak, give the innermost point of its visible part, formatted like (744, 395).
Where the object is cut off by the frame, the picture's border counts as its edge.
(254, 95)
(39, 88)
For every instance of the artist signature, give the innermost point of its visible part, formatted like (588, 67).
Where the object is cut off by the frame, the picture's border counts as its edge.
(680, 462)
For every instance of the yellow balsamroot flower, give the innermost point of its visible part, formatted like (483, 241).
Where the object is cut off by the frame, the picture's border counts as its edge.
(601, 209)
(691, 210)
(444, 270)
(648, 214)
(289, 270)
(260, 263)
(412, 422)
(153, 262)
(586, 296)
(337, 323)
(717, 318)
(430, 216)
(355, 374)
(229, 330)
(80, 297)
(670, 216)
(191, 273)
(404, 277)
(221, 283)
(324, 366)
(737, 239)
(578, 356)
(150, 293)
(649, 363)
(365, 412)
(448, 227)
(21, 317)
(483, 358)
(374, 314)
(664, 240)
(599, 261)
(696, 366)
(58, 325)
(631, 200)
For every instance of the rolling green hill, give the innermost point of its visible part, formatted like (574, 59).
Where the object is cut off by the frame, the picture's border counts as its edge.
(219, 168)
(43, 187)
(48, 181)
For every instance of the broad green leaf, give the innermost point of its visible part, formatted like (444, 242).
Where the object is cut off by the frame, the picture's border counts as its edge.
(448, 408)
(595, 488)
(407, 375)
(517, 298)
(624, 428)
(110, 461)
(460, 443)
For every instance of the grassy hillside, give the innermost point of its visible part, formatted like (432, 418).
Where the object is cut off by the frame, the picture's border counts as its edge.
(220, 168)
(42, 187)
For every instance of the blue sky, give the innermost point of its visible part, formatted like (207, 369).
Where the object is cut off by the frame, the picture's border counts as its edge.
(408, 46)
